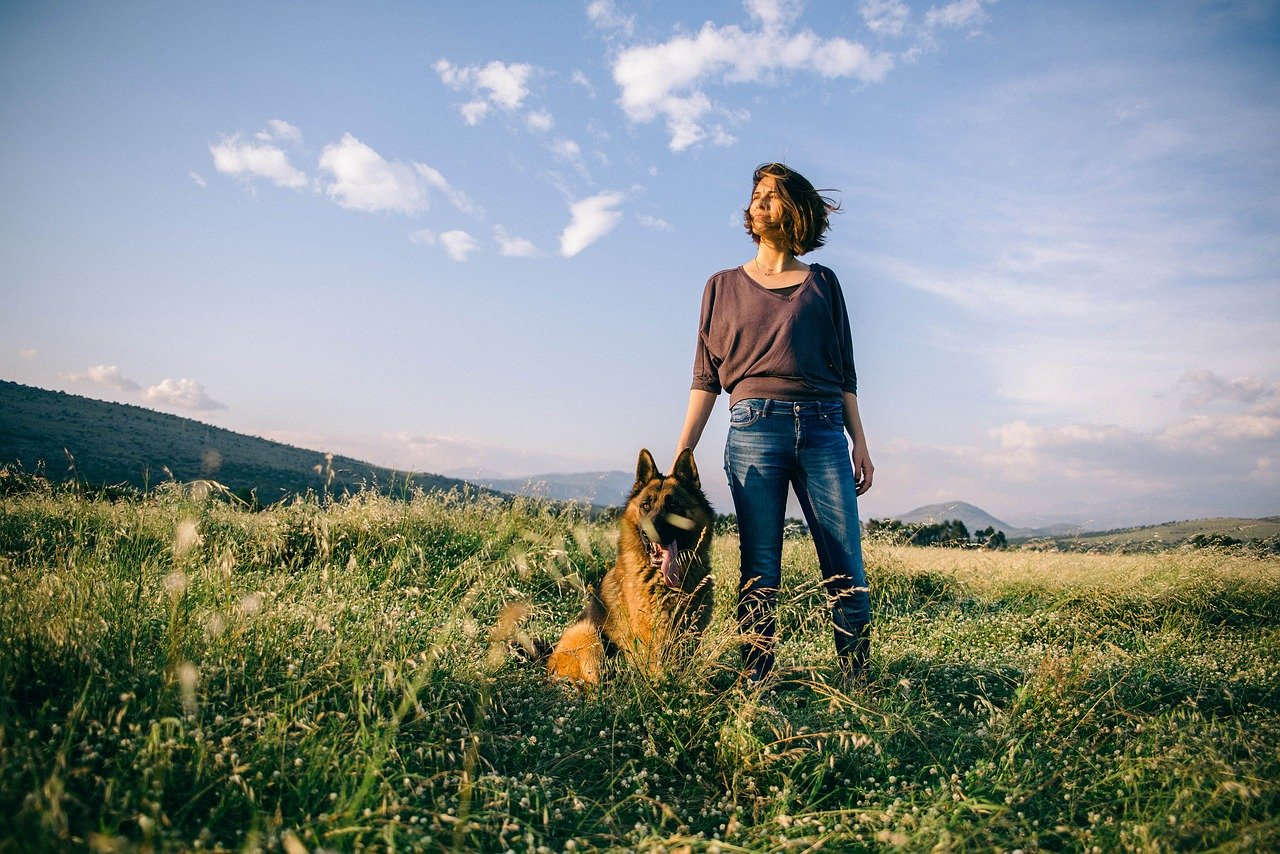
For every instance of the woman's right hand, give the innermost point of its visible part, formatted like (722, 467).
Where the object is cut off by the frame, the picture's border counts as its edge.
(862, 467)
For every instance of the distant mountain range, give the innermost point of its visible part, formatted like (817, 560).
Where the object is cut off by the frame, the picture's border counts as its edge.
(606, 488)
(976, 519)
(117, 443)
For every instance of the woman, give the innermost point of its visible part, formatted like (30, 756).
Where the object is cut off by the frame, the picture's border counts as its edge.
(775, 334)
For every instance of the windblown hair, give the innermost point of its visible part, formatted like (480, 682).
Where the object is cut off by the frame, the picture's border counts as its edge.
(804, 210)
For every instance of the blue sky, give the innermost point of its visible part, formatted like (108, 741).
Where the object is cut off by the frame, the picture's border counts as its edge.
(474, 237)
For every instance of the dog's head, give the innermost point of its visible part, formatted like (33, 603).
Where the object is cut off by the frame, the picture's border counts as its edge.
(671, 516)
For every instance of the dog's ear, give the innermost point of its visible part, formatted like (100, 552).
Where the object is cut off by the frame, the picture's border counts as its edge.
(686, 469)
(646, 470)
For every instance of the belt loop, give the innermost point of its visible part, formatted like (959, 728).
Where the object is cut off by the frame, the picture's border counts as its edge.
(766, 406)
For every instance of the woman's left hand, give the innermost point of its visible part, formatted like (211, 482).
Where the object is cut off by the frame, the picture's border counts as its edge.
(862, 468)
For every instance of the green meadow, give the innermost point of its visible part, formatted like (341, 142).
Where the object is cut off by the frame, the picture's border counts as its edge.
(180, 674)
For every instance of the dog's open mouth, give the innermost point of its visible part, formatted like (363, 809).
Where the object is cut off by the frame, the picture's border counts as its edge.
(670, 559)
(667, 559)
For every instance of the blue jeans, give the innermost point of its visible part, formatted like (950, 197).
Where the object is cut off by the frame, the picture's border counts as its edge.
(773, 443)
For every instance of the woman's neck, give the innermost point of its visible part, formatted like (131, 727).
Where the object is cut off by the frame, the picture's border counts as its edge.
(770, 260)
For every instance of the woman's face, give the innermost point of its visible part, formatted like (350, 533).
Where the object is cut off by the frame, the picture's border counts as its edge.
(766, 205)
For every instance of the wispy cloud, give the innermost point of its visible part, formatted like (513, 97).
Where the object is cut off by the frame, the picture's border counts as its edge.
(463, 457)
(27, 353)
(606, 15)
(885, 17)
(569, 151)
(104, 375)
(580, 79)
(666, 79)
(231, 156)
(654, 222)
(961, 13)
(182, 393)
(512, 246)
(590, 219)
(197, 178)
(364, 180)
(496, 84)
(456, 197)
(539, 120)
(458, 244)
(278, 130)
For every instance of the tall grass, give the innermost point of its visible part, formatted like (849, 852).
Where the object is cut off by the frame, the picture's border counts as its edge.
(179, 674)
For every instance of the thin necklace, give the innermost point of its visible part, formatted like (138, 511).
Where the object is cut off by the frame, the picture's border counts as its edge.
(756, 261)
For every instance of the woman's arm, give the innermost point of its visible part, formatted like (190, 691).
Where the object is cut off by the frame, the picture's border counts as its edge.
(862, 468)
(695, 419)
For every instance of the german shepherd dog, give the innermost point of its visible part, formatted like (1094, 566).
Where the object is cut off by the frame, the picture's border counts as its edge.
(660, 589)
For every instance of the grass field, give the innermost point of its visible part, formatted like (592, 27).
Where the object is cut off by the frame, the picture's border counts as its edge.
(177, 674)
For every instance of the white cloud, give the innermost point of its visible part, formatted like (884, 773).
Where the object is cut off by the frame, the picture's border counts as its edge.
(183, 393)
(278, 130)
(497, 84)
(539, 120)
(27, 353)
(590, 219)
(233, 157)
(653, 222)
(458, 244)
(511, 246)
(195, 176)
(773, 14)
(606, 16)
(104, 375)
(955, 15)
(364, 180)
(457, 456)
(885, 17)
(1208, 431)
(664, 79)
(581, 79)
(566, 149)
(456, 197)
(474, 111)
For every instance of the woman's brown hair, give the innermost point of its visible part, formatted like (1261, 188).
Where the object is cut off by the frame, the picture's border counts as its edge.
(804, 210)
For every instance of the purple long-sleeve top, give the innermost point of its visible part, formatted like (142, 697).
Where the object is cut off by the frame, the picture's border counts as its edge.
(754, 342)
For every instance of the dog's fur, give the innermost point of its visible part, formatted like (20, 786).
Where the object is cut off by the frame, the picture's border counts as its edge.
(646, 602)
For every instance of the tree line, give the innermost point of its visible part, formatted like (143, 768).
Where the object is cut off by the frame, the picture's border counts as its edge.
(952, 532)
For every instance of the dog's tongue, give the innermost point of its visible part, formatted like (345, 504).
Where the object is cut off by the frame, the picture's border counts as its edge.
(670, 567)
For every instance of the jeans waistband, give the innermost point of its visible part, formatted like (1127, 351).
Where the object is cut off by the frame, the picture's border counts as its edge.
(769, 406)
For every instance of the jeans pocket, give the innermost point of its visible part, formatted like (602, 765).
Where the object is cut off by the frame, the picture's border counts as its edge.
(834, 420)
(743, 414)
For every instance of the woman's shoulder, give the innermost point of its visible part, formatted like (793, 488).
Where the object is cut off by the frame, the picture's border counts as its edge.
(721, 279)
(824, 274)
(727, 272)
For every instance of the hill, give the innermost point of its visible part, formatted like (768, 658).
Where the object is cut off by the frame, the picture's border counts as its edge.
(103, 443)
(975, 519)
(1169, 533)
